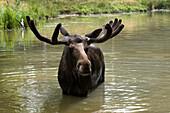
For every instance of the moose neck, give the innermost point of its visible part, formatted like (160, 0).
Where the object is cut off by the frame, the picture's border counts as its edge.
(79, 85)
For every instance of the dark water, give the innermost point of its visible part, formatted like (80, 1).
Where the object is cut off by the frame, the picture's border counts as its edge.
(137, 68)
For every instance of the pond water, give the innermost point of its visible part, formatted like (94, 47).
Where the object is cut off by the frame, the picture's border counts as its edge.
(137, 68)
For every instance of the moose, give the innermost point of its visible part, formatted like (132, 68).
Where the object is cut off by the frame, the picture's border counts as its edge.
(82, 66)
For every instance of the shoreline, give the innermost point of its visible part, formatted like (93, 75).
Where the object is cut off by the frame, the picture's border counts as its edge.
(62, 16)
(42, 11)
(108, 15)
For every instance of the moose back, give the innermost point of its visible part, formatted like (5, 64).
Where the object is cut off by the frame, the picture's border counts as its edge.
(82, 64)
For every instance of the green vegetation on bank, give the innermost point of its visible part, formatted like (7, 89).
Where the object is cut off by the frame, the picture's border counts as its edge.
(40, 10)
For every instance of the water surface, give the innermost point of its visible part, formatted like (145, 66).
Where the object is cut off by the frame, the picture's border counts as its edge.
(137, 68)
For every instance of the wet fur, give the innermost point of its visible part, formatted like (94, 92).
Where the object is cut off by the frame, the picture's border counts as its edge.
(74, 84)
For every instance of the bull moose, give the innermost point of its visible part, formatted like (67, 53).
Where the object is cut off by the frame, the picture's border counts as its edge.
(82, 64)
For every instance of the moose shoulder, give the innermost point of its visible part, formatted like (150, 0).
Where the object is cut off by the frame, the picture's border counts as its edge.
(82, 64)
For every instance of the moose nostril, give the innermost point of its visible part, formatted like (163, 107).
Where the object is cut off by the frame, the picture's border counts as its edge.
(84, 67)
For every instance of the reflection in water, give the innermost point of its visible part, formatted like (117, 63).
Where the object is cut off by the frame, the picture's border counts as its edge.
(137, 68)
(22, 33)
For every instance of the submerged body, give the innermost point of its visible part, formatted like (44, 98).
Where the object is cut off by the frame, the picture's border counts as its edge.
(74, 83)
(82, 64)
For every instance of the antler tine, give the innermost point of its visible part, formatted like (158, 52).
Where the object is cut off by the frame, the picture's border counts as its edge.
(35, 31)
(109, 31)
(117, 31)
(44, 39)
(116, 27)
(55, 40)
(113, 24)
(105, 36)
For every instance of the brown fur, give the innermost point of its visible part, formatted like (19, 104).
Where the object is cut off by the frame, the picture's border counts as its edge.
(82, 64)
(71, 81)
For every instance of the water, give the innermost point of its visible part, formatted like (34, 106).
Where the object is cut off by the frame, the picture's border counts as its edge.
(137, 68)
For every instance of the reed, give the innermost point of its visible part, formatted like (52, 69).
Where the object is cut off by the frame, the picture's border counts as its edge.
(10, 13)
(155, 4)
(0, 17)
(8, 18)
(40, 9)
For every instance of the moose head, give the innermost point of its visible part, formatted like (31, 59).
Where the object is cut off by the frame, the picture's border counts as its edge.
(82, 64)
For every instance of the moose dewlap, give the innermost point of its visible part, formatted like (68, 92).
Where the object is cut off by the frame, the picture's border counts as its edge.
(82, 65)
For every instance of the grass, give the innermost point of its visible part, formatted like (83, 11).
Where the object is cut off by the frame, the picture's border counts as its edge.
(10, 12)
(155, 4)
(39, 10)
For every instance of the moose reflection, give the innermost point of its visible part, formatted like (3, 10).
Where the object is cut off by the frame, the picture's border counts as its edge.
(82, 64)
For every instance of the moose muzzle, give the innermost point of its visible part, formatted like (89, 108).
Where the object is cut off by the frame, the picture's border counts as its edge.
(84, 67)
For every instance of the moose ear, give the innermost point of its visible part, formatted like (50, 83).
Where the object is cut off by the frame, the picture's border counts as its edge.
(63, 31)
(94, 34)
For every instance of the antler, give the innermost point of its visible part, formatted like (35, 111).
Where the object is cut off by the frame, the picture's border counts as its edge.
(109, 31)
(54, 40)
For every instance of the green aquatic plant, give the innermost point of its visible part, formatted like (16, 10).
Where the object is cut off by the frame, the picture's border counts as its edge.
(0, 16)
(40, 10)
(11, 15)
(8, 18)
(155, 4)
